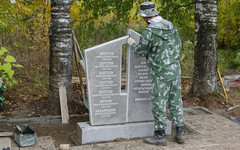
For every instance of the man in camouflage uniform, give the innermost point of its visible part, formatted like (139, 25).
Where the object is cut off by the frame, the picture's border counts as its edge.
(161, 45)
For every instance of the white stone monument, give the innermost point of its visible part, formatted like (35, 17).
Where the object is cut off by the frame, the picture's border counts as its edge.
(113, 113)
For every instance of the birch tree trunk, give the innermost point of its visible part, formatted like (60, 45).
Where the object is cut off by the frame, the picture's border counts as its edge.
(61, 48)
(205, 56)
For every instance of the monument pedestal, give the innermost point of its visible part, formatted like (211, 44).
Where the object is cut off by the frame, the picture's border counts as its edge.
(93, 134)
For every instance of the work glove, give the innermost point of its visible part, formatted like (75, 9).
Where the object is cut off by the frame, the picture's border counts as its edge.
(130, 41)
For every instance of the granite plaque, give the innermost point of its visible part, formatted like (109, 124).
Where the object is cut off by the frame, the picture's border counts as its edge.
(107, 105)
(138, 86)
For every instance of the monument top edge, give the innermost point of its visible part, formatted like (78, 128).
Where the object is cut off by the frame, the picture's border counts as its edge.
(107, 43)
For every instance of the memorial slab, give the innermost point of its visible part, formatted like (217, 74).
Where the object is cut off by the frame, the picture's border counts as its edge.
(107, 105)
(138, 86)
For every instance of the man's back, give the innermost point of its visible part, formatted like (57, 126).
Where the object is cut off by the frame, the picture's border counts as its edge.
(163, 50)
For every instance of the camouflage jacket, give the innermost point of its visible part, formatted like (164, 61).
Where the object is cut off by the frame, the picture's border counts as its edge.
(161, 45)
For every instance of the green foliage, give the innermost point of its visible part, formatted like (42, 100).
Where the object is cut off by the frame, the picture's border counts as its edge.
(229, 24)
(109, 19)
(7, 21)
(89, 36)
(34, 18)
(99, 8)
(229, 34)
(224, 61)
(181, 13)
(98, 21)
(7, 62)
(228, 60)
(187, 58)
(24, 27)
(24, 24)
(236, 59)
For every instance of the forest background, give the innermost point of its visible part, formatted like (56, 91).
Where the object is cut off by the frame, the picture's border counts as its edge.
(24, 29)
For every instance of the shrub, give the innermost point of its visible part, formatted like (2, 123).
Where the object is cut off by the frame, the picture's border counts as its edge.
(236, 59)
(187, 58)
(7, 62)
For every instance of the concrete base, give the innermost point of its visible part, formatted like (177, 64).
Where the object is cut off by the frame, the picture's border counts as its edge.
(93, 134)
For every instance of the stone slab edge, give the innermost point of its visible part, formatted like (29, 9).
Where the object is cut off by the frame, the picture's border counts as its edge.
(94, 134)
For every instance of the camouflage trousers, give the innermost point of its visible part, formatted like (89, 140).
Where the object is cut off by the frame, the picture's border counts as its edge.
(167, 93)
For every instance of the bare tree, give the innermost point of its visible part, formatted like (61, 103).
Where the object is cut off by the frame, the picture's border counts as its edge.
(205, 56)
(61, 44)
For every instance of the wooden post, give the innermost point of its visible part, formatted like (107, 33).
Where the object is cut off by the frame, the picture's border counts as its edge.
(78, 62)
(63, 104)
(6, 134)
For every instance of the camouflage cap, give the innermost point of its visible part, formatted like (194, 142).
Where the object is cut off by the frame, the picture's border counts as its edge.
(147, 9)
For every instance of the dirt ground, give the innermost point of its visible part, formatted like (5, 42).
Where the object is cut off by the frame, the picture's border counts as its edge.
(217, 104)
(18, 106)
(30, 106)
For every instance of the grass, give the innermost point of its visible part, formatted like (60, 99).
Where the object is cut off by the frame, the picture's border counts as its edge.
(33, 77)
(228, 61)
(187, 58)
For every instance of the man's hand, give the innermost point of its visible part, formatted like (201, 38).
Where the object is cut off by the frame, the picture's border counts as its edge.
(130, 41)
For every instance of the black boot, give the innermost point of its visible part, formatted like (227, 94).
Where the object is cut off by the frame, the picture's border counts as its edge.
(179, 135)
(159, 138)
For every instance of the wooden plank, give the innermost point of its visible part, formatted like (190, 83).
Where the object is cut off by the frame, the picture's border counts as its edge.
(78, 62)
(6, 134)
(63, 104)
(5, 143)
(77, 80)
(234, 107)
(75, 140)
